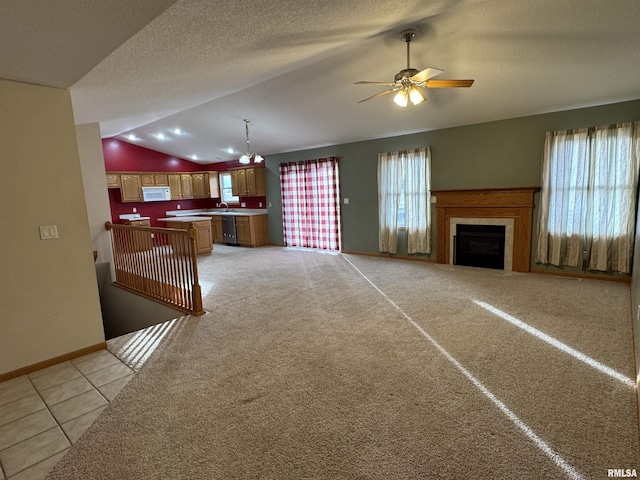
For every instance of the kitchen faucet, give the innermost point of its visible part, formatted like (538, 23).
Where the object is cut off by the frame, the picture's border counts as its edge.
(226, 205)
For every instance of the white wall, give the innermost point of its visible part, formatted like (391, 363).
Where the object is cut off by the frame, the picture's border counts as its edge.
(95, 189)
(49, 303)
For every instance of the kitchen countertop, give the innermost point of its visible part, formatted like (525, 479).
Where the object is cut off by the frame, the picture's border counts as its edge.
(243, 212)
(235, 214)
(182, 219)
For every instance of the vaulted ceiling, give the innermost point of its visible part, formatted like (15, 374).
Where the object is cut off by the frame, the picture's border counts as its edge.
(202, 66)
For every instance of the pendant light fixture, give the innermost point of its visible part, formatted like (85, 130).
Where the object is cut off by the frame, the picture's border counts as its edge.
(248, 156)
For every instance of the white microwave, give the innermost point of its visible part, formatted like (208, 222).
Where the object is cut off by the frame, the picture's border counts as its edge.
(156, 194)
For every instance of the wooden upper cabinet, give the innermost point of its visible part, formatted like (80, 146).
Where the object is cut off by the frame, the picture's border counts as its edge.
(245, 182)
(255, 182)
(154, 179)
(161, 179)
(234, 183)
(200, 185)
(251, 182)
(147, 179)
(248, 182)
(214, 185)
(113, 180)
(187, 185)
(175, 185)
(130, 188)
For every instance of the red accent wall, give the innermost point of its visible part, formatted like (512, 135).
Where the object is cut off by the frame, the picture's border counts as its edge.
(121, 156)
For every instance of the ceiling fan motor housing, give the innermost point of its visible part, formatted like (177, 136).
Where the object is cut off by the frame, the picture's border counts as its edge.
(407, 72)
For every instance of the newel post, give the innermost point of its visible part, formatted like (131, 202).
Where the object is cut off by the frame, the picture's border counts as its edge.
(196, 291)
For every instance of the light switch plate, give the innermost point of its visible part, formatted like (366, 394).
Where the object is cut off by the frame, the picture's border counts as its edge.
(48, 232)
(346, 201)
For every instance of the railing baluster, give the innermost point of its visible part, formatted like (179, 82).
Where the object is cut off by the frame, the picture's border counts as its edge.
(158, 263)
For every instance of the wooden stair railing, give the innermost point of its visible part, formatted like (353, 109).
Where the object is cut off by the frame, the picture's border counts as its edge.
(159, 264)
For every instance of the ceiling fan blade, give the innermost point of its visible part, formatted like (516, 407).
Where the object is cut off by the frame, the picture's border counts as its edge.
(391, 90)
(448, 83)
(373, 83)
(426, 74)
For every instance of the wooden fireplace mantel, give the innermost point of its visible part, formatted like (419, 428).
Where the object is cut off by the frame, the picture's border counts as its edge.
(514, 203)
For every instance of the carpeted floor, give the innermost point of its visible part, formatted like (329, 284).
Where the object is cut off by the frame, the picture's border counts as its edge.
(319, 366)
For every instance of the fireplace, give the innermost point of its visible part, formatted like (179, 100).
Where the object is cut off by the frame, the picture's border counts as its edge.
(512, 207)
(479, 246)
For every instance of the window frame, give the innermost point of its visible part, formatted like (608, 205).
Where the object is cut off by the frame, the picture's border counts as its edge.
(228, 199)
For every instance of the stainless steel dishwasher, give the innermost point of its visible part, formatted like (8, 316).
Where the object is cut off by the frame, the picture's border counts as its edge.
(229, 229)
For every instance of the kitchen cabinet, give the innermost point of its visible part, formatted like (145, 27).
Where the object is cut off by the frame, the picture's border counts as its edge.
(113, 180)
(251, 230)
(175, 186)
(142, 241)
(238, 182)
(204, 240)
(154, 179)
(186, 183)
(147, 180)
(214, 185)
(248, 182)
(161, 179)
(182, 185)
(216, 228)
(200, 183)
(130, 188)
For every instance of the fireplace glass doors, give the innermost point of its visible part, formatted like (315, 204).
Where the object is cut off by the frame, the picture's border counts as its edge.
(479, 246)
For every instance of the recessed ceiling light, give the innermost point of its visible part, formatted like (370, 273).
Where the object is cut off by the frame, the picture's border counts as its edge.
(177, 131)
(230, 150)
(194, 157)
(132, 137)
(160, 136)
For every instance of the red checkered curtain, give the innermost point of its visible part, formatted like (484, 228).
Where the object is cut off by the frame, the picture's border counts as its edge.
(311, 204)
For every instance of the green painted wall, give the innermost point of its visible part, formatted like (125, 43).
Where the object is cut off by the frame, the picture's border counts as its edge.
(499, 154)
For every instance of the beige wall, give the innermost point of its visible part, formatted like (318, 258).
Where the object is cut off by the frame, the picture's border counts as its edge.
(95, 189)
(49, 301)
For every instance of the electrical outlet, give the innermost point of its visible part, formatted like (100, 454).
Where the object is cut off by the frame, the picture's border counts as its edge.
(243, 204)
(260, 204)
(178, 207)
(269, 204)
(135, 210)
(346, 201)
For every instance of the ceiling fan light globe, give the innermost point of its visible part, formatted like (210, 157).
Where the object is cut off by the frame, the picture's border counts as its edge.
(416, 96)
(244, 159)
(401, 99)
(258, 159)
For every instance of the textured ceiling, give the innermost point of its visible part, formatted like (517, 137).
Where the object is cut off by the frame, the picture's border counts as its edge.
(289, 65)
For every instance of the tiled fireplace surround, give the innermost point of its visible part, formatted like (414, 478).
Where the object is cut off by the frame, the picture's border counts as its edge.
(512, 207)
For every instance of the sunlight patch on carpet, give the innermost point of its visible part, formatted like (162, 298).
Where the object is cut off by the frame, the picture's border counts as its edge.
(569, 470)
(557, 344)
(140, 347)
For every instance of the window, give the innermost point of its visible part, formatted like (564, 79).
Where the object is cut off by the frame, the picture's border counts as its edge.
(588, 199)
(226, 193)
(403, 199)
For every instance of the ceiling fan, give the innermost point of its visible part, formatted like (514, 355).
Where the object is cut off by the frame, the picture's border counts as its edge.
(410, 82)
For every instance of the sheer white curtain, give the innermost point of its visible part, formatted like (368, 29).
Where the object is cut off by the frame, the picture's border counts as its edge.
(404, 179)
(417, 200)
(588, 200)
(389, 190)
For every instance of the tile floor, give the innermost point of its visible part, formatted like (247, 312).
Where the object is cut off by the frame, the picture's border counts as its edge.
(42, 414)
